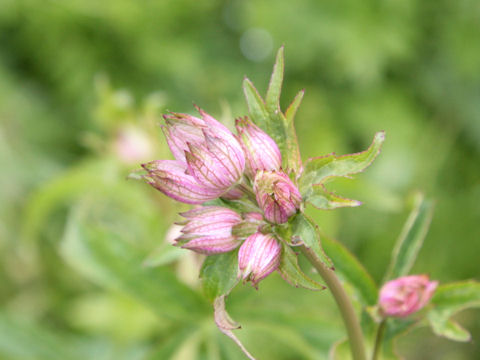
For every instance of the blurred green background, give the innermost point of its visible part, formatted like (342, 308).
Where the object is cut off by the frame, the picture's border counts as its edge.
(85, 270)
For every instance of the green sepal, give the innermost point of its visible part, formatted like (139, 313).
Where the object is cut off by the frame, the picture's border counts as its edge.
(448, 300)
(306, 232)
(292, 273)
(321, 169)
(268, 115)
(323, 199)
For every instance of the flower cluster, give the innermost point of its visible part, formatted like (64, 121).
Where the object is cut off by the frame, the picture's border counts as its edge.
(211, 163)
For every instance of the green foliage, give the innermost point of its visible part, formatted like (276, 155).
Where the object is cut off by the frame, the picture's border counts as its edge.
(411, 238)
(448, 300)
(219, 274)
(351, 271)
(304, 231)
(320, 170)
(268, 115)
(292, 273)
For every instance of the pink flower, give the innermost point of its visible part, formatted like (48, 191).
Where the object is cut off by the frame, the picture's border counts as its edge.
(276, 195)
(209, 160)
(261, 151)
(208, 230)
(406, 295)
(258, 256)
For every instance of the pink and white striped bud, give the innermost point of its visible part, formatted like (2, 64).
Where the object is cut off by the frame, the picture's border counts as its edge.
(171, 178)
(276, 195)
(406, 295)
(211, 153)
(258, 256)
(208, 230)
(262, 153)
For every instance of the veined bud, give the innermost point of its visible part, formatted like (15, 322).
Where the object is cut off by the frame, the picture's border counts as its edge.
(208, 230)
(406, 295)
(171, 177)
(251, 223)
(209, 160)
(276, 195)
(258, 256)
(261, 151)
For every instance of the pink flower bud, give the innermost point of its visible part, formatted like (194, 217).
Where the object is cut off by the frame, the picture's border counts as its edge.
(276, 195)
(208, 155)
(258, 256)
(132, 145)
(406, 295)
(171, 178)
(261, 151)
(208, 230)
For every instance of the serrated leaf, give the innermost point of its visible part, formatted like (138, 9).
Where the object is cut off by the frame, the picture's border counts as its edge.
(306, 232)
(219, 274)
(411, 238)
(319, 170)
(323, 199)
(291, 272)
(448, 300)
(352, 271)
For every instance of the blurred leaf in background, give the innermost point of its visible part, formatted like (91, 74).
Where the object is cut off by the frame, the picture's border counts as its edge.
(85, 82)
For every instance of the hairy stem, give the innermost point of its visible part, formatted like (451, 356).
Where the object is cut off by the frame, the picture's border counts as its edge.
(352, 324)
(378, 339)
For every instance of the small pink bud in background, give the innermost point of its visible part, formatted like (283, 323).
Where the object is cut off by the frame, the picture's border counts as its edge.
(406, 295)
(258, 256)
(276, 195)
(171, 178)
(261, 151)
(132, 145)
(208, 230)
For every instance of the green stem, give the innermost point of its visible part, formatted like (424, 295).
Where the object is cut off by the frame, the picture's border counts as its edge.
(352, 324)
(379, 339)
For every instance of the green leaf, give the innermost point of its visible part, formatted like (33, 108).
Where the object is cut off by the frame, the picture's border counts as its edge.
(256, 105)
(21, 339)
(323, 199)
(448, 300)
(351, 271)
(108, 259)
(268, 115)
(219, 274)
(293, 107)
(305, 231)
(411, 238)
(272, 99)
(319, 170)
(291, 272)
(163, 255)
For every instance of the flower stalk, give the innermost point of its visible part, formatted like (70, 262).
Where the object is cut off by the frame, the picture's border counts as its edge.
(344, 304)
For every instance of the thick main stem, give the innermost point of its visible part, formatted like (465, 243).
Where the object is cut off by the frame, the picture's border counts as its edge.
(352, 324)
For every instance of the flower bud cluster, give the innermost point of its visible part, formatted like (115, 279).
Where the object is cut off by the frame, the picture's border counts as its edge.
(211, 162)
